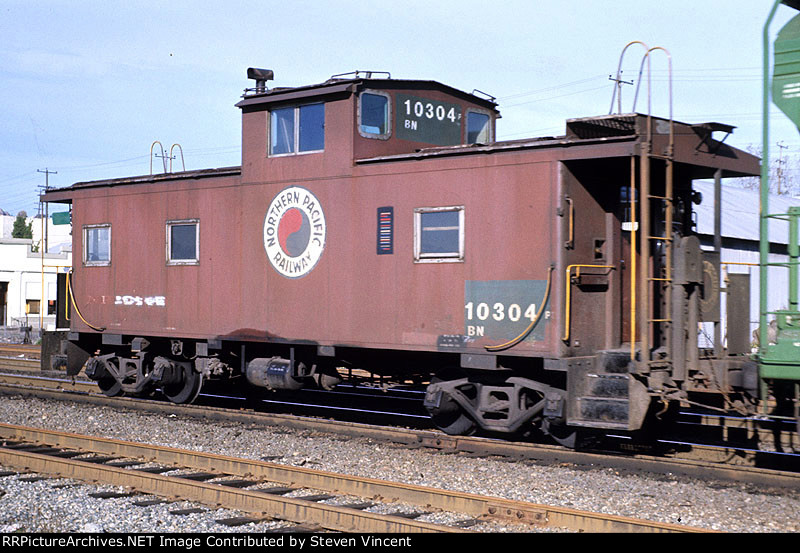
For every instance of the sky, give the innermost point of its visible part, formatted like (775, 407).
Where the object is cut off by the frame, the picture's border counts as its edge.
(87, 86)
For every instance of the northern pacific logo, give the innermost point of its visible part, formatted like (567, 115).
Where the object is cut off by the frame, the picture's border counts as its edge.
(294, 232)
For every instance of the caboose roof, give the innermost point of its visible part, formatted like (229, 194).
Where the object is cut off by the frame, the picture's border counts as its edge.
(333, 86)
(694, 143)
(64, 194)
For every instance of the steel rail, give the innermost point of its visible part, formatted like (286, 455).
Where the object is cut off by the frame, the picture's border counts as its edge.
(17, 349)
(20, 364)
(63, 384)
(331, 517)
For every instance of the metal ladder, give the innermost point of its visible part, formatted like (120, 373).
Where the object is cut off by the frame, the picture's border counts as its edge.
(649, 324)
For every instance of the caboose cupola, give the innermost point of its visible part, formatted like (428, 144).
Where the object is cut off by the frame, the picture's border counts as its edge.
(325, 128)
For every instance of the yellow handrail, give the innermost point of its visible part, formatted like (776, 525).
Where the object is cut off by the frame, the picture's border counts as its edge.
(519, 338)
(75, 304)
(568, 289)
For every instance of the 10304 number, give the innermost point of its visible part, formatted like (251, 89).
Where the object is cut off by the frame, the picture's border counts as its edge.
(499, 312)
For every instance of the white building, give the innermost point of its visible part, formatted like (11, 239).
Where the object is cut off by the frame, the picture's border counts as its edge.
(740, 244)
(28, 283)
(6, 224)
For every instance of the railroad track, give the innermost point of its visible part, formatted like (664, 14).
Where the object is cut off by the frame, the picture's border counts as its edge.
(700, 462)
(29, 351)
(20, 364)
(320, 500)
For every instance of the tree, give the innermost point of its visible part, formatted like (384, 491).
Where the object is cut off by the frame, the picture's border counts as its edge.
(21, 228)
(783, 176)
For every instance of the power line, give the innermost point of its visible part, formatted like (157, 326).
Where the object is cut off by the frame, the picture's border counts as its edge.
(736, 74)
(550, 88)
(556, 97)
(17, 177)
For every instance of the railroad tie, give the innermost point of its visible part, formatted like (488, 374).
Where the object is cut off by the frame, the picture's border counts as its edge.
(277, 490)
(112, 495)
(240, 521)
(315, 497)
(198, 476)
(29, 479)
(150, 502)
(153, 470)
(237, 483)
(190, 511)
(359, 506)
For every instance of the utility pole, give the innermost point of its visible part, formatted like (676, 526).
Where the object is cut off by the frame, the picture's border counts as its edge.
(47, 172)
(619, 84)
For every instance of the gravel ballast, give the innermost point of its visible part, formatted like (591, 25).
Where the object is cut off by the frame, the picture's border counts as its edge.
(64, 506)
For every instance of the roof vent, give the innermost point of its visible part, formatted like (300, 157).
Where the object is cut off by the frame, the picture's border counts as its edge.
(261, 76)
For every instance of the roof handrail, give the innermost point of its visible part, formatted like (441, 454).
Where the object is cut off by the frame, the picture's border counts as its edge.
(357, 74)
(618, 78)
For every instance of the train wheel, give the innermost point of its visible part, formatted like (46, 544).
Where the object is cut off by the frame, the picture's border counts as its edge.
(95, 369)
(110, 387)
(565, 436)
(561, 433)
(449, 417)
(187, 389)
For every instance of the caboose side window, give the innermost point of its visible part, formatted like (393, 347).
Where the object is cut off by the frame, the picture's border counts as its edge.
(97, 245)
(183, 242)
(297, 129)
(438, 234)
(373, 115)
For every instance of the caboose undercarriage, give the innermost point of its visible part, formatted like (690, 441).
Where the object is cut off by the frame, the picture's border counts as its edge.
(557, 398)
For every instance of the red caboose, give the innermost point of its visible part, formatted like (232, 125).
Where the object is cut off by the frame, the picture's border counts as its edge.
(376, 223)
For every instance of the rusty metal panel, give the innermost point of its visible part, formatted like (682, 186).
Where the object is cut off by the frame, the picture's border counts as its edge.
(710, 291)
(738, 313)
